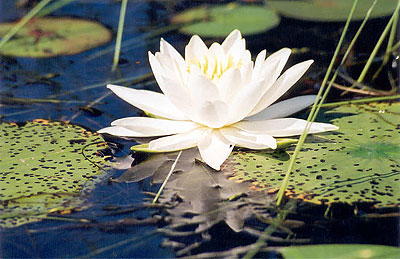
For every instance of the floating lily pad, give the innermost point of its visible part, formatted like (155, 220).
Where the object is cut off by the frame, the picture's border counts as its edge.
(220, 20)
(338, 251)
(48, 37)
(331, 10)
(358, 163)
(45, 166)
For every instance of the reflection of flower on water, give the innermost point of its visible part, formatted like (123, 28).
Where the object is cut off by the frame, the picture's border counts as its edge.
(216, 98)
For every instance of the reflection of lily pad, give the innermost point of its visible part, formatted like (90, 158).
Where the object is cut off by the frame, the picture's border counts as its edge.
(44, 168)
(220, 20)
(331, 10)
(358, 163)
(48, 37)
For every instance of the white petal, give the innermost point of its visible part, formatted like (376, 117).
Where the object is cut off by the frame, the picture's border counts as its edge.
(233, 38)
(202, 89)
(245, 100)
(246, 71)
(214, 149)
(258, 65)
(177, 142)
(176, 94)
(195, 50)
(229, 84)
(121, 132)
(155, 127)
(247, 139)
(284, 108)
(283, 127)
(211, 114)
(149, 101)
(274, 64)
(168, 49)
(287, 80)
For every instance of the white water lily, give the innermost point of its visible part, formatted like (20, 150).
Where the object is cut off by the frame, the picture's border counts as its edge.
(216, 98)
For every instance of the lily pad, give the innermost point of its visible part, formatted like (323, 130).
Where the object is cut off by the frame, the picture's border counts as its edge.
(45, 167)
(54, 36)
(358, 163)
(220, 20)
(331, 10)
(340, 251)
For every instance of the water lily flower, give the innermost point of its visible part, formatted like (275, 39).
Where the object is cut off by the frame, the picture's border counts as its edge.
(216, 98)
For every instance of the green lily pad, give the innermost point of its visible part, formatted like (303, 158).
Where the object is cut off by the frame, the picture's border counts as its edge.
(220, 20)
(54, 36)
(358, 163)
(337, 251)
(331, 10)
(45, 167)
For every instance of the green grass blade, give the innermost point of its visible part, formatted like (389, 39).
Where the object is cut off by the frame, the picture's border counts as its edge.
(119, 34)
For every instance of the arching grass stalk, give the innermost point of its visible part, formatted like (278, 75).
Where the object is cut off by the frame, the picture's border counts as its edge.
(53, 7)
(389, 45)
(23, 21)
(353, 41)
(167, 178)
(119, 34)
(303, 136)
(377, 46)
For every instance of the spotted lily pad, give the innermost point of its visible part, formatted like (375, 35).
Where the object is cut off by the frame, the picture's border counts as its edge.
(45, 167)
(54, 36)
(331, 10)
(220, 20)
(358, 163)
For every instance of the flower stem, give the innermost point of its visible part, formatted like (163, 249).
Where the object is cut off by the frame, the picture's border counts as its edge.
(167, 178)
(119, 34)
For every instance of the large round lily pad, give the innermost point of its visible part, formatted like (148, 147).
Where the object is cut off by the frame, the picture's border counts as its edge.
(331, 10)
(358, 163)
(44, 167)
(220, 20)
(48, 37)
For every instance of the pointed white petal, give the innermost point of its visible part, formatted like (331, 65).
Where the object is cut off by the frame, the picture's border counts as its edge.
(214, 149)
(156, 67)
(245, 100)
(283, 127)
(149, 101)
(274, 64)
(211, 114)
(229, 84)
(284, 82)
(233, 38)
(121, 132)
(258, 65)
(246, 71)
(176, 94)
(168, 49)
(202, 89)
(195, 50)
(284, 108)
(247, 139)
(177, 142)
(155, 127)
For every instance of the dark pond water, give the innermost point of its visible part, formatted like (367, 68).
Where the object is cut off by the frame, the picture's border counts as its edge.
(80, 79)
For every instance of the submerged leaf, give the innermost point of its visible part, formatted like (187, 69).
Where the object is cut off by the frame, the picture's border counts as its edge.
(220, 20)
(54, 36)
(358, 163)
(45, 167)
(329, 10)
